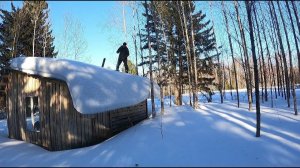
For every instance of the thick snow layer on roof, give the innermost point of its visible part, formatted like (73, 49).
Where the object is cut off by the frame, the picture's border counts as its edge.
(93, 89)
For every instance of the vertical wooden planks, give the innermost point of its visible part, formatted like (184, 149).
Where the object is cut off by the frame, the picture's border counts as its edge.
(58, 111)
(9, 105)
(69, 122)
(13, 107)
(54, 115)
(22, 111)
(72, 123)
(12, 116)
(42, 113)
(15, 118)
(48, 116)
(62, 116)
(62, 127)
(81, 125)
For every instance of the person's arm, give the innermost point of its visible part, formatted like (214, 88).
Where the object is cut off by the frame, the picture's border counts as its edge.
(127, 54)
(119, 50)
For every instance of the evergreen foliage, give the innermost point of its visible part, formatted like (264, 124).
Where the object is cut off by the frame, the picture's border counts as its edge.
(17, 29)
(167, 40)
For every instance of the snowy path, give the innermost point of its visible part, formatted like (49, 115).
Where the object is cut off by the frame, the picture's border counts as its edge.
(215, 135)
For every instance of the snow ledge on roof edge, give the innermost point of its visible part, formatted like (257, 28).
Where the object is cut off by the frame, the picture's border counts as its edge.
(93, 89)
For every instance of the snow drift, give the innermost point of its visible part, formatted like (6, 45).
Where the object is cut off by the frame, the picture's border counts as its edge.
(93, 89)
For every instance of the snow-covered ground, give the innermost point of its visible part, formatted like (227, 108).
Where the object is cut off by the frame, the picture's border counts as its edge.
(215, 135)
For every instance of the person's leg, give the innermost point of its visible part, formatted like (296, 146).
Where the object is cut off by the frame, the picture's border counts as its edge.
(118, 64)
(125, 64)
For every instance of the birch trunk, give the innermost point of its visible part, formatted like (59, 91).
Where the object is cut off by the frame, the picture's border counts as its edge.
(244, 45)
(256, 84)
(150, 62)
(287, 80)
(291, 60)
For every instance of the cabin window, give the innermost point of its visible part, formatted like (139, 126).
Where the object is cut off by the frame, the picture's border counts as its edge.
(32, 114)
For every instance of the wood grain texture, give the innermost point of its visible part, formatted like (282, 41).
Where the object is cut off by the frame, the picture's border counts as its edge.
(62, 127)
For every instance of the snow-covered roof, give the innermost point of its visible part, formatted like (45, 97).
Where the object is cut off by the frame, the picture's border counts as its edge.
(93, 89)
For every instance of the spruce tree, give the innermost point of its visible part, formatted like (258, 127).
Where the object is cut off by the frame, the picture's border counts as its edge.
(167, 39)
(206, 57)
(10, 33)
(38, 26)
(16, 32)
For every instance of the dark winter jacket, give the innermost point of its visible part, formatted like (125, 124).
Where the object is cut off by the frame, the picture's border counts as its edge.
(124, 52)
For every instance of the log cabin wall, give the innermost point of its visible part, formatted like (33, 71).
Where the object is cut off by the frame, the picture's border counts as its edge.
(61, 126)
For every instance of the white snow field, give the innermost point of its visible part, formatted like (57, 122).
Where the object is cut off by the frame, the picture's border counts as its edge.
(215, 135)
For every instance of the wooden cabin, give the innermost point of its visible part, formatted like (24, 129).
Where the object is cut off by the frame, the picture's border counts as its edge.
(42, 110)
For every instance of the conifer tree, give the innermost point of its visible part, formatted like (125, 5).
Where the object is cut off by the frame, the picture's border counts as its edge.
(16, 32)
(10, 33)
(38, 26)
(167, 36)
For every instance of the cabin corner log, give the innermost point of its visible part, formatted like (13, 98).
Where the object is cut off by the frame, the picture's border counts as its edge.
(61, 125)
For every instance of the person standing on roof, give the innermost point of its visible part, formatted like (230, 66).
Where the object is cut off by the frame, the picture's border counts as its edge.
(123, 54)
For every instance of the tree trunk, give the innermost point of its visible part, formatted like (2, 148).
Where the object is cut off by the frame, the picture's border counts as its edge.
(270, 76)
(275, 48)
(232, 56)
(219, 75)
(260, 66)
(150, 62)
(124, 20)
(165, 40)
(256, 83)
(295, 38)
(244, 45)
(287, 80)
(196, 102)
(187, 48)
(170, 95)
(135, 43)
(261, 77)
(178, 78)
(298, 25)
(270, 67)
(283, 81)
(243, 59)
(188, 51)
(162, 101)
(291, 60)
(262, 56)
(33, 39)
(278, 74)
(140, 37)
(230, 84)
(223, 80)
(159, 78)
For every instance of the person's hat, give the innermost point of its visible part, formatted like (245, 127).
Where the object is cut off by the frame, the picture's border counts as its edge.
(124, 43)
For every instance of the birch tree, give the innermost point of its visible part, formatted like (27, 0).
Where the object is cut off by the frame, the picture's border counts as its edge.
(249, 8)
(231, 50)
(295, 40)
(34, 9)
(287, 80)
(291, 60)
(247, 63)
(73, 43)
(150, 62)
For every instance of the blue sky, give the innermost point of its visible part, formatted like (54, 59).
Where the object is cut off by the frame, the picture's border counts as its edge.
(103, 37)
(95, 18)
(103, 26)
